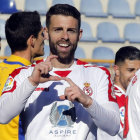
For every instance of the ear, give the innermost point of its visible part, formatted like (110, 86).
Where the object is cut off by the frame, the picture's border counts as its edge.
(80, 34)
(31, 41)
(46, 33)
(116, 70)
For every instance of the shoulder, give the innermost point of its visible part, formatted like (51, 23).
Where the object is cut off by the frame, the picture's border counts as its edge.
(93, 67)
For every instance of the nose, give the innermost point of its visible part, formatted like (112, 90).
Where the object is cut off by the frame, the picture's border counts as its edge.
(65, 35)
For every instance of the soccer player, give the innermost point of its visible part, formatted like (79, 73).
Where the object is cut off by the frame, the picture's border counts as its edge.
(62, 97)
(132, 107)
(24, 35)
(132, 114)
(127, 62)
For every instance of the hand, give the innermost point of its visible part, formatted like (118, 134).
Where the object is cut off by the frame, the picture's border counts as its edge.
(74, 93)
(41, 74)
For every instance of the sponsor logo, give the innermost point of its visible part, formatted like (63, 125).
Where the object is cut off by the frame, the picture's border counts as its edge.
(62, 133)
(9, 84)
(134, 80)
(63, 115)
(42, 89)
(87, 89)
(122, 111)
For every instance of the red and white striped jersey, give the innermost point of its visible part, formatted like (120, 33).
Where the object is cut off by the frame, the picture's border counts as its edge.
(44, 116)
(132, 109)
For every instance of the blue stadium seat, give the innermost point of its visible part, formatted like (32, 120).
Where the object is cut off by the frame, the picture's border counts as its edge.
(7, 51)
(8, 7)
(2, 29)
(132, 32)
(87, 33)
(46, 50)
(70, 2)
(108, 32)
(119, 9)
(36, 5)
(103, 53)
(137, 8)
(92, 8)
(79, 53)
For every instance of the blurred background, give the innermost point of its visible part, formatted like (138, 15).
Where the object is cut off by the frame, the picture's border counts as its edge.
(107, 25)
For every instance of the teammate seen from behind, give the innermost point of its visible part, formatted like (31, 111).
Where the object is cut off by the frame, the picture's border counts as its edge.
(62, 97)
(24, 35)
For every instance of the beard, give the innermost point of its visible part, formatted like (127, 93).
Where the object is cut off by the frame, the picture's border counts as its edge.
(63, 57)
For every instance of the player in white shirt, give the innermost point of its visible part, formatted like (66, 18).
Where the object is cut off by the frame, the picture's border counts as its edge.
(61, 97)
(127, 62)
(132, 113)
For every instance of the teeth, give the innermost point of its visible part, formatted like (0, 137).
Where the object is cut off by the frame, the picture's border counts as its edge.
(64, 45)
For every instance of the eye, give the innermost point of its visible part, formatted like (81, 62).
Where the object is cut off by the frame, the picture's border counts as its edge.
(71, 31)
(58, 30)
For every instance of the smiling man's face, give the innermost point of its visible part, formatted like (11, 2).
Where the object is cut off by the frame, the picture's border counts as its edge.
(63, 36)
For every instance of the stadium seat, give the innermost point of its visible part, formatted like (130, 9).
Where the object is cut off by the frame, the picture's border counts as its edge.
(132, 32)
(70, 2)
(92, 8)
(2, 28)
(87, 33)
(8, 7)
(108, 32)
(36, 5)
(103, 53)
(46, 50)
(137, 8)
(79, 53)
(119, 9)
(7, 51)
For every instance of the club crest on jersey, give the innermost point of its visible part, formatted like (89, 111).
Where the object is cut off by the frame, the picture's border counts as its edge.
(63, 115)
(122, 111)
(87, 89)
(134, 80)
(9, 84)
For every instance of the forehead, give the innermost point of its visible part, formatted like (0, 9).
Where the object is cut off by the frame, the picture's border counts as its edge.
(131, 63)
(63, 21)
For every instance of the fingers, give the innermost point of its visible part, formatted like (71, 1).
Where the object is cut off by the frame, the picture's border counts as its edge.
(71, 83)
(49, 58)
(54, 78)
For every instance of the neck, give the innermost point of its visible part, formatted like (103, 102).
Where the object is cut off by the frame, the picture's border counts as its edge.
(117, 82)
(57, 64)
(24, 54)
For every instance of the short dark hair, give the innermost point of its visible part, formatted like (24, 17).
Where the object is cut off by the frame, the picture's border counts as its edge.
(63, 9)
(127, 52)
(19, 27)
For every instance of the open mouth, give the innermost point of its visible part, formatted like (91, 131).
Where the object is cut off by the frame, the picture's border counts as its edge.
(64, 47)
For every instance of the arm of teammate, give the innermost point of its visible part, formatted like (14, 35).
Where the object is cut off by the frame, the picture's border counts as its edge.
(13, 102)
(105, 115)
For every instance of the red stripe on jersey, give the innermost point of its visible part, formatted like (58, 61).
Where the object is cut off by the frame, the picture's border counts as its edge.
(17, 71)
(11, 90)
(126, 121)
(38, 61)
(79, 62)
(62, 73)
(109, 85)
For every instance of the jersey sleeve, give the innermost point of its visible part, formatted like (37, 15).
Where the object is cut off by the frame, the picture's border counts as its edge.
(104, 110)
(11, 102)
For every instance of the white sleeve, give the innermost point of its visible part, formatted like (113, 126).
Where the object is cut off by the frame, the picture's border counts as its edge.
(12, 103)
(104, 111)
